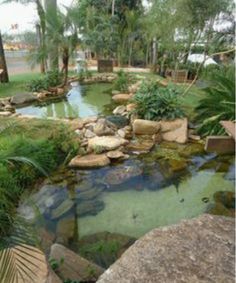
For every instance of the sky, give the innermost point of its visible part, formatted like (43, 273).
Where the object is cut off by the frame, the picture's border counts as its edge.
(23, 15)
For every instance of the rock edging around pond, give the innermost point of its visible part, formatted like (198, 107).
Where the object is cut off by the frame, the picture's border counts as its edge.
(196, 250)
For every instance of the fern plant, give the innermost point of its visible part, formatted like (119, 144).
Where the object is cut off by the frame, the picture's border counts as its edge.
(157, 103)
(218, 105)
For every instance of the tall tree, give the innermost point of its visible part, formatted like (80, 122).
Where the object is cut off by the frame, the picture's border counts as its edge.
(4, 78)
(51, 12)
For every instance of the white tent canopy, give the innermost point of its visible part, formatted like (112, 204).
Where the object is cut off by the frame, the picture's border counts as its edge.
(199, 58)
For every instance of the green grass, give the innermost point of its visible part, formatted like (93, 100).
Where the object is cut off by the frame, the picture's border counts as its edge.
(17, 84)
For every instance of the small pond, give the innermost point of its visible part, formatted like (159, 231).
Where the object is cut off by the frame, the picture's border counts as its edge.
(133, 197)
(81, 101)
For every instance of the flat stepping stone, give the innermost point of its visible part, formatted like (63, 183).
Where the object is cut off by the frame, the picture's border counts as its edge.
(90, 161)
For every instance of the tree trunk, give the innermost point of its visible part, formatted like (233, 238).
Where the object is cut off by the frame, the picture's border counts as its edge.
(154, 51)
(41, 32)
(51, 11)
(65, 60)
(40, 45)
(4, 76)
(113, 8)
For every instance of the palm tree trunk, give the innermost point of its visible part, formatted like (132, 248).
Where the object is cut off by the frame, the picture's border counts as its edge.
(4, 78)
(51, 11)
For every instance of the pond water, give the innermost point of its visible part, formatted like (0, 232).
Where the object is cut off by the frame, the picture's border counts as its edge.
(135, 196)
(81, 101)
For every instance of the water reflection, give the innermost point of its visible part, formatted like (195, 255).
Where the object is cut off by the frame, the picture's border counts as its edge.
(81, 101)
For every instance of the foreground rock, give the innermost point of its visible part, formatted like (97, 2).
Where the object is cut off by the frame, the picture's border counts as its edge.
(105, 143)
(29, 258)
(90, 161)
(73, 266)
(197, 250)
(145, 127)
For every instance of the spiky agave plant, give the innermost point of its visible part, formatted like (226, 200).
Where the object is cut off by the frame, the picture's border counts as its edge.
(218, 105)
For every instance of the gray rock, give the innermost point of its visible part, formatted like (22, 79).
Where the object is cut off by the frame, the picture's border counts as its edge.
(118, 120)
(23, 98)
(199, 250)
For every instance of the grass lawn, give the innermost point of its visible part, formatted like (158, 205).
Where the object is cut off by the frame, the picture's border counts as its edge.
(18, 83)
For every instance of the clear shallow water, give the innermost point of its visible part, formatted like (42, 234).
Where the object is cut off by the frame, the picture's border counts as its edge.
(134, 212)
(81, 101)
(133, 197)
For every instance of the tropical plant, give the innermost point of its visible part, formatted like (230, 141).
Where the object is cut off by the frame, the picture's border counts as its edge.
(157, 103)
(50, 79)
(218, 105)
(122, 81)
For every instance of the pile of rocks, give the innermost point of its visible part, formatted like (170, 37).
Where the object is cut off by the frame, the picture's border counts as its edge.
(102, 142)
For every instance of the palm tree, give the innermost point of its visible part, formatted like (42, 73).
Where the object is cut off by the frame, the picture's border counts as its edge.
(62, 30)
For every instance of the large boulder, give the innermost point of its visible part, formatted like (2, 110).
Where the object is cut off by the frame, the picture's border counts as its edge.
(23, 98)
(90, 161)
(198, 250)
(175, 131)
(145, 127)
(74, 267)
(29, 263)
(106, 143)
(121, 98)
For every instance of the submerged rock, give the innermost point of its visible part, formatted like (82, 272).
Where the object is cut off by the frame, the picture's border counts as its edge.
(90, 207)
(121, 174)
(65, 231)
(62, 209)
(73, 266)
(104, 248)
(179, 253)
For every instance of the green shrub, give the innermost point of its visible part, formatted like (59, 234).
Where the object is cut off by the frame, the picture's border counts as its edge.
(157, 103)
(122, 81)
(219, 103)
(51, 79)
